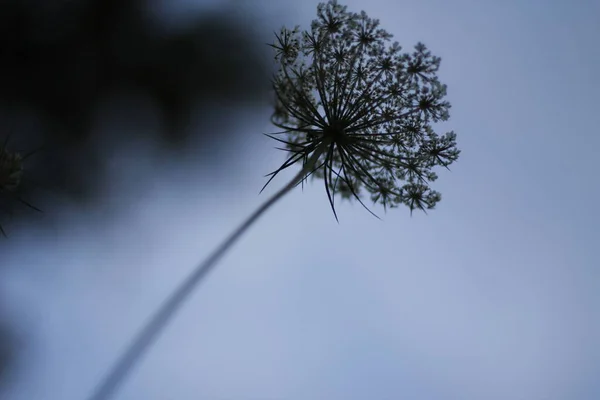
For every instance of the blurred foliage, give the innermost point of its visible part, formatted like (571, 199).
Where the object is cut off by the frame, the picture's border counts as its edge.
(62, 61)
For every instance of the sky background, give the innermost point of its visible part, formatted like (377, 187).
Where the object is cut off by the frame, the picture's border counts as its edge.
(494, 295)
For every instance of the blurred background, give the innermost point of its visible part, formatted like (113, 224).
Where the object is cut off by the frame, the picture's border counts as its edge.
(104, 95)
(146, 121)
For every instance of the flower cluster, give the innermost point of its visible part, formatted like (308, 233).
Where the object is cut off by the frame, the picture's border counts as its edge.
(342, 84)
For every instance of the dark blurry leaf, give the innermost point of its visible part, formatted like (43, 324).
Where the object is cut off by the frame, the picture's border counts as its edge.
(60, 60)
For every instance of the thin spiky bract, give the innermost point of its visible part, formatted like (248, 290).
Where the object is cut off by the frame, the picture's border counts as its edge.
(344, 82)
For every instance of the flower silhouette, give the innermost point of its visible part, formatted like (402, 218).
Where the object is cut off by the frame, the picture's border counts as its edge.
(344, 89)
(355, 112)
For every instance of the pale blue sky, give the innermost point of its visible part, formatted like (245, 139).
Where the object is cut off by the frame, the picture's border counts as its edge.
(494, 295)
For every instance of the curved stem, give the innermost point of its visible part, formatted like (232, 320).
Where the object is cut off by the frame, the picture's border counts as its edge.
(170, 306)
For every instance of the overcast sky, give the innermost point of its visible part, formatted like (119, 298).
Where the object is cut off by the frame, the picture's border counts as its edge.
(494, 295)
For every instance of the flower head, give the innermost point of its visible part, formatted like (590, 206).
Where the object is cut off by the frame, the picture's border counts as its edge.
(342, 84)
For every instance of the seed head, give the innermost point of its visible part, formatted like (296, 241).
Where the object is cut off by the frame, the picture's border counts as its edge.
(344, 84)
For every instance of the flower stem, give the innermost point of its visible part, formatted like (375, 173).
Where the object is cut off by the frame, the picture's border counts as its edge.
(170, 306)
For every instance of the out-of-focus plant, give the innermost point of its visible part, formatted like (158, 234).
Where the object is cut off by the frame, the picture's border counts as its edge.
(11, 177)
(354, 111)
(84, 77)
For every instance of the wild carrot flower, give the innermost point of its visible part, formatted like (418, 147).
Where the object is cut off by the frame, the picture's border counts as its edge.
(354, 111)
(342, 87)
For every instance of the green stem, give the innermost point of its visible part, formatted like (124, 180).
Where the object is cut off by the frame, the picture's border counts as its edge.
(170, 306)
